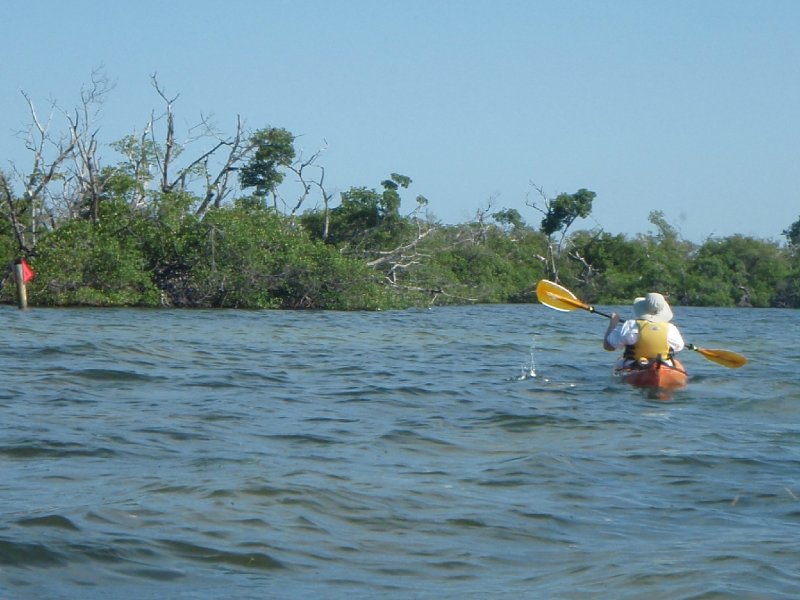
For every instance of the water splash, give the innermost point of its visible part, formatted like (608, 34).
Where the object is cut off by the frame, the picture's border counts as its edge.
(528, 370)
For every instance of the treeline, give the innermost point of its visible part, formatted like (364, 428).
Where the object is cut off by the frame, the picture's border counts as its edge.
(248, 222)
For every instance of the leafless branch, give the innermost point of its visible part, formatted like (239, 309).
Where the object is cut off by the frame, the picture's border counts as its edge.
(544, 197)
(16, 226)
(218, 187)
(298, 168)
(326, 203)
(399, 254)
(165, 161)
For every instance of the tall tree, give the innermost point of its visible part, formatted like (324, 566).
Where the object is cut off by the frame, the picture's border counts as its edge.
(559, 215)
(273, 153)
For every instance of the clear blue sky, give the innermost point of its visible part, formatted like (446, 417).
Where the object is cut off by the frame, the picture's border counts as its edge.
(686, 106)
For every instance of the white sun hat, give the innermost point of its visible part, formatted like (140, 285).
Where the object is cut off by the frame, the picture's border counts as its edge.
(653, 308)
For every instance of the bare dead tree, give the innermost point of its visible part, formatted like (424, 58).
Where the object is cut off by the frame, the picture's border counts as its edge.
(66, 179)
(553, 252)
(404, 255)
(11, 214)
(137, 150)
(300, 168)
(588, 270)
(165, 154)
(559, 215)
(85, 170)
(219, 186)
(217, 176)
(164, 159)
(326, 204)
(482, 216)
(49, 155)
(63, 177)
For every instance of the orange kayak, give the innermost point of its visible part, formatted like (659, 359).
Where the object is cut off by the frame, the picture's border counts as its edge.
(656, 375)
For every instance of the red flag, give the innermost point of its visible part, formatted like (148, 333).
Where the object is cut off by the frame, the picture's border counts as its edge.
(27, 272)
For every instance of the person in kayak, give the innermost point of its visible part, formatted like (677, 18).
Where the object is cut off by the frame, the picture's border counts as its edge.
(648, 337)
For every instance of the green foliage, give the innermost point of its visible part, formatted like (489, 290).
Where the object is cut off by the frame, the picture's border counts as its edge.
(737, 270)
(559, 215)
(9, 249)
(792, 234)
(246, 257)
(565, 209)
(614, 269)
(366, 221)
(170, 238)
(274, 149)
(788, 293)
(120, 183)
(356, 218)
(242, 257)
(509, 218)
(474, 263)
(249, 256)
(611, 266)
(667, 257)
(115, 240)
(151, 248)
(85, 264)
(734, 271)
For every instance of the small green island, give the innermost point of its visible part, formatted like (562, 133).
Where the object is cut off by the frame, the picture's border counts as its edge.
(245, 220)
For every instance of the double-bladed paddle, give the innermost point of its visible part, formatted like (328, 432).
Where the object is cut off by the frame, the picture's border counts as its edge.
(560, 298)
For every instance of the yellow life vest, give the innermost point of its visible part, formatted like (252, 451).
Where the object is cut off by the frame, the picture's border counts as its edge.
(652, 342)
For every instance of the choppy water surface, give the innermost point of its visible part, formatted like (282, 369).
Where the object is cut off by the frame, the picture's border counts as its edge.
(226, 454)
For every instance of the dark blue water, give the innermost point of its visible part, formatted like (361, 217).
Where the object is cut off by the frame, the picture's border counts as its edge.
(225, 454)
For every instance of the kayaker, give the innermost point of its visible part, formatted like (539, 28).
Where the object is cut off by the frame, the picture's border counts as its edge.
(647, 337)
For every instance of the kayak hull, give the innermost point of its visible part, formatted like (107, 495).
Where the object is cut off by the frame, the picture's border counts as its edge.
(656, 375)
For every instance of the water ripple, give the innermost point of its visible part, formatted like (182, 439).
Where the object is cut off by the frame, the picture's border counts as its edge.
(250, 454)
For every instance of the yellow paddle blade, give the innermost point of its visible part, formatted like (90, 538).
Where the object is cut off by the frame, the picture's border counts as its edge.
(557, 297)
(726, 358)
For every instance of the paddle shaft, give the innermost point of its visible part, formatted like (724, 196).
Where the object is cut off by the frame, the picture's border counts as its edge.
(592, 309)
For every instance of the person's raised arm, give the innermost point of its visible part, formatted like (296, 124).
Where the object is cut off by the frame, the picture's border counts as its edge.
(612, 323)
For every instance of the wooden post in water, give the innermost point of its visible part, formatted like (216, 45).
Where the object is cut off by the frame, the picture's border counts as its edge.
(22, 294)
